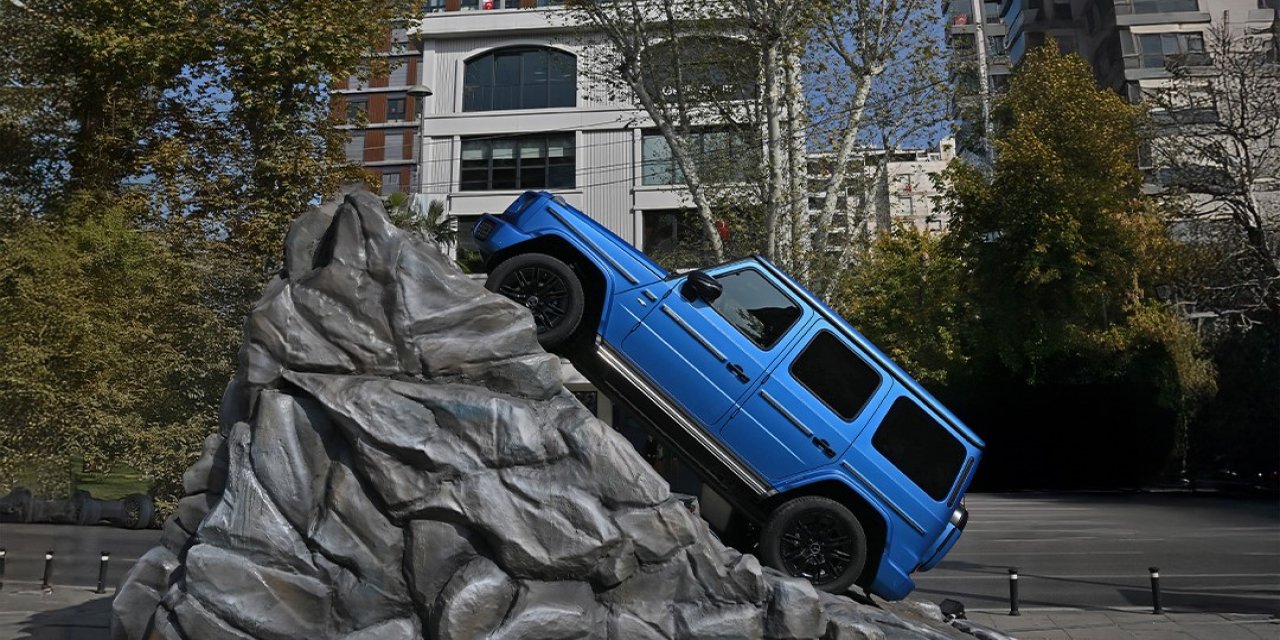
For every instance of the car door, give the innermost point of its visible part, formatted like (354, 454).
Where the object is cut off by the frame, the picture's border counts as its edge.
(912, 459)
(811, 407)
(706, 353)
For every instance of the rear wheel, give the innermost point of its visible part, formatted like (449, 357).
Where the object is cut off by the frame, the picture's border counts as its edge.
(548, 288)
(817, 539)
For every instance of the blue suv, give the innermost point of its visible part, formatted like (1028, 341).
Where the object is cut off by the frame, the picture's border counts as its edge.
(851, 470)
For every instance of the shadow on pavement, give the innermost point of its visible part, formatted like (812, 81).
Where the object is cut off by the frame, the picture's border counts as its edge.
(1182, 601)
(86, 621)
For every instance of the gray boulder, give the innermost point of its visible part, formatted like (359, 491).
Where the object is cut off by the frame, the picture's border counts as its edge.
(398, 458)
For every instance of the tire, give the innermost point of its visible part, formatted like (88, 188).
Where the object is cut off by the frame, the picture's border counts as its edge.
(139, 509)
(548, 288)
(817, 539)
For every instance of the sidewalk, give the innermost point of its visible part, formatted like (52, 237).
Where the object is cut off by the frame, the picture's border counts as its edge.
(68, 613)
(1126, 624)
(76, 613)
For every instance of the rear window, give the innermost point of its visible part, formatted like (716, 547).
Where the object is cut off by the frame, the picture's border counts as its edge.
(919, 447)
(835, 375)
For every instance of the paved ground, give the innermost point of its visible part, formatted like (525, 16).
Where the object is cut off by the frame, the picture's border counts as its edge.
(1082, 562)
(76, 552)
(1083, 559)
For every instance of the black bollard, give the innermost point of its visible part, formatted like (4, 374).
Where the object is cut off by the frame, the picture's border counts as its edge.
(1155, 590)
(1013, 592)
(48, 569)
(102, 572)
(2, 552)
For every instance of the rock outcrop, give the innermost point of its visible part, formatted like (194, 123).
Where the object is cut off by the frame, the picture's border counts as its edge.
(398, 458)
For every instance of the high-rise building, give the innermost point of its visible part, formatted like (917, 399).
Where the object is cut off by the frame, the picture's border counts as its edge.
(979, 70)
(1126, 42)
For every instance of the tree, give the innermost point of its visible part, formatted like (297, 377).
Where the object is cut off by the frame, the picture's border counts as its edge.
(788, 79)
(1064, 252)
(431, 225)
(151, 156)
(1216, 149)
(109, 349)
(218, 112)
(906, 297)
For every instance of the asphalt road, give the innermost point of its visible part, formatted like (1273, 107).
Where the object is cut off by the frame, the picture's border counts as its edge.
(1216, 554)
(76, 553)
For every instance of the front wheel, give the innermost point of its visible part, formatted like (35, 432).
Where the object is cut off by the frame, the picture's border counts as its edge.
(817, 539)
(548, 288)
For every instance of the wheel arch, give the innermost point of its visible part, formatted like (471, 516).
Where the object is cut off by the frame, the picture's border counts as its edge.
(872, 520)
(594, 284)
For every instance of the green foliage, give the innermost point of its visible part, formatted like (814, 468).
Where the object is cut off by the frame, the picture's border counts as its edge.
(109, 350)
(152, 153)
(219, 112)
(431, 224)
(905, 296)
(1063, 250)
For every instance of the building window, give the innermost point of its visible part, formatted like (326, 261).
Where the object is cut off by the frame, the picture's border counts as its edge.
(663, 229)
(395, 109)
(995, 44)
(433, 6)
(394, 142)
(1155, 6)
(700, 69)
(677, 239)
(357, 108)
(390, 183)
(721, 156)
(520, 78)
(525, 162)
(355, 147)
(489, 5)
(1155, 50)
(399, 75)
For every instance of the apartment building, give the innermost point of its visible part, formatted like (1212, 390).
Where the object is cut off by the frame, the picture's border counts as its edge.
(1127, 42)
(906, 191)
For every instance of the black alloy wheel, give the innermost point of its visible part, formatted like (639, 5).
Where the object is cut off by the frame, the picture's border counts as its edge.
(548, 288)
(817, 539)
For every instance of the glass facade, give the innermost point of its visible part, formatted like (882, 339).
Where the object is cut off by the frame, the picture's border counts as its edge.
(520, 78)
(521, 162)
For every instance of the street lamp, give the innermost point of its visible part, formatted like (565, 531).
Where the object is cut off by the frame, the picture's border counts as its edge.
(419, 92)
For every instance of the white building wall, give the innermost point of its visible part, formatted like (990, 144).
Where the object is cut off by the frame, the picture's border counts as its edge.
(606, 173)
(606, 150)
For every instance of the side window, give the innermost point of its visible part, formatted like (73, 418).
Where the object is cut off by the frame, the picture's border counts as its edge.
(756, 307)
(919, 447)
(835, 374)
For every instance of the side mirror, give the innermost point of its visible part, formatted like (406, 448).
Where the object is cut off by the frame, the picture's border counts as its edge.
(700, 286)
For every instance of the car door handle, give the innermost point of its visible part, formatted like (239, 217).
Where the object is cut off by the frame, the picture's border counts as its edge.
(825, 447)
(736, 370)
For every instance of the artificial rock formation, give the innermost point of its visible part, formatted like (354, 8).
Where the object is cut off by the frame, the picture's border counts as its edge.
(398, 458)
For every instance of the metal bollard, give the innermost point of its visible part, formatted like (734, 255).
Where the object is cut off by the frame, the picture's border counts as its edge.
(2, 553)
(102, 572)
(48, 569)
(1155, 590)
(1013, 592)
